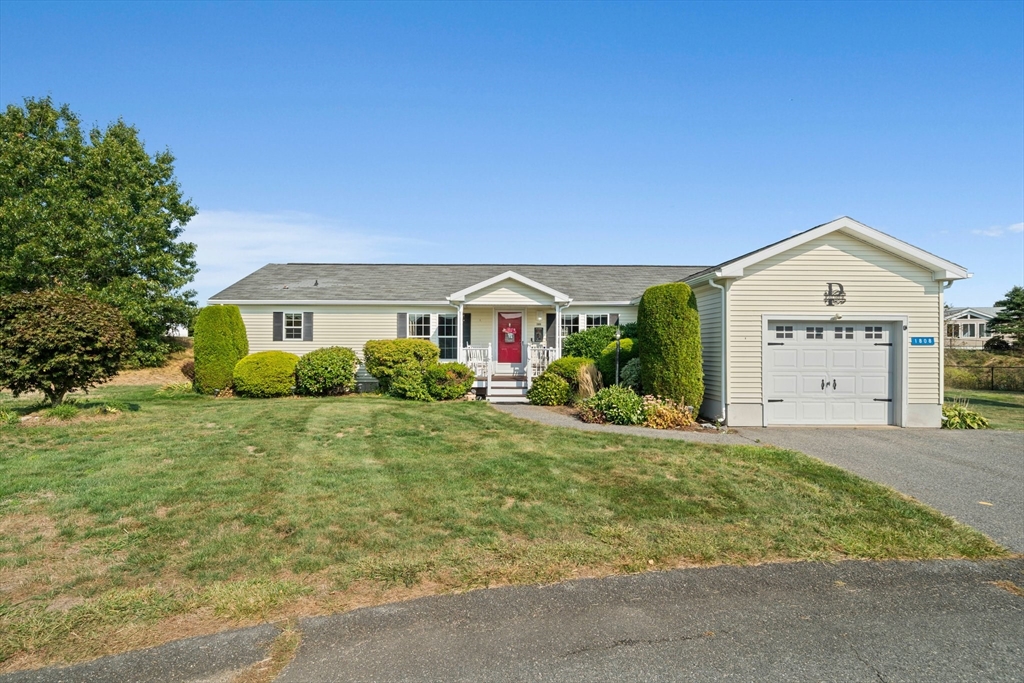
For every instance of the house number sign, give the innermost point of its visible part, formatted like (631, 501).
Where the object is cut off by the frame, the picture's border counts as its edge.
(835, 294)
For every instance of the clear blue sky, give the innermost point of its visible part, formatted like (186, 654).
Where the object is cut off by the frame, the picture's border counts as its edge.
(675, 133)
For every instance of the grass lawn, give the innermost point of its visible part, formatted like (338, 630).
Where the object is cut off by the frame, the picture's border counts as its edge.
(1004, 409)
(195, 514)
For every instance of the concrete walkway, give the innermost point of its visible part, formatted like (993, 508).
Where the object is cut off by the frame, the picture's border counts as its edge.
(976, 477)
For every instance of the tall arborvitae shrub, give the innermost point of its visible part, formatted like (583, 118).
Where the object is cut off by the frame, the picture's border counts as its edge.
(220, 342)
(668, 331)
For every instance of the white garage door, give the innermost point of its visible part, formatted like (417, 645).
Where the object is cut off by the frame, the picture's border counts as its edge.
(828, 373)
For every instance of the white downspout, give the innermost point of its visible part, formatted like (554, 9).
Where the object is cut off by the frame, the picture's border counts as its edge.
(942, 342)
(725, 365)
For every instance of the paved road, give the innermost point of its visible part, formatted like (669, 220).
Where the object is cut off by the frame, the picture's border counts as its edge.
(956, 472)
(856, 621)
(852, 621)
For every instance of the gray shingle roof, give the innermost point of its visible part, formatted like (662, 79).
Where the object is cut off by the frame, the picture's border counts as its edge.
(432, 282)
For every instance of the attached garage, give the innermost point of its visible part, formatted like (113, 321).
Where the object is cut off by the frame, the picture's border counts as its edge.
(838, 325)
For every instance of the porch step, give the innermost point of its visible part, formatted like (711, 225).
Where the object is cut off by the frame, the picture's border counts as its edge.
(507, 399)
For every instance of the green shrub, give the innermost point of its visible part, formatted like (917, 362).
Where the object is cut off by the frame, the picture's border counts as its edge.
(568, 368)
(997, 345)
(664, 413)
(962, 378)
(383, 358)
(114, 408)
(220, 342)
(329, 371)
(65, 411)
(589, 343)
(606, 363)
(668, 331)
(177, 389)
(448, 381)
(629, 375)
(549, 390)
(959, 416)
(616, 404)
(53, 341)
(407, 381)
(8, 417)
(266, 374)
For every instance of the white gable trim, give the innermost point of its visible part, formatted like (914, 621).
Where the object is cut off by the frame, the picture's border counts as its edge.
(969, 311)
(941, 268)
(461, 295)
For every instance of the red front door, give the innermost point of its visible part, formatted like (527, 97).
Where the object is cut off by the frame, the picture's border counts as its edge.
(510, 337)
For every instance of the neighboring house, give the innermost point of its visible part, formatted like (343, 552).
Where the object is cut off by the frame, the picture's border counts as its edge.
(840, 324)
(968, 328)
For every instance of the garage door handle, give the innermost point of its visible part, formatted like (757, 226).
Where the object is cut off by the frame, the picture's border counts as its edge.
(775, 400)
(776, 344)
(833, 385)
(823, 385)
(883, 343)
(883, 400)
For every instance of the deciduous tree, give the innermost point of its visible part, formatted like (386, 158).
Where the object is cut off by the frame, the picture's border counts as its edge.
(94, 214)
(54, 341)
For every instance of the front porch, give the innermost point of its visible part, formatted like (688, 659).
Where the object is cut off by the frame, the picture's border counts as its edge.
(510, 385)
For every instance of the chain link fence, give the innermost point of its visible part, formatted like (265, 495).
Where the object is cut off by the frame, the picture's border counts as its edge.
(985, 377)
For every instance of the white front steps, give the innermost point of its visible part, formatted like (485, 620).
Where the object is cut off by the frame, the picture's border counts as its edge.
(507, 390)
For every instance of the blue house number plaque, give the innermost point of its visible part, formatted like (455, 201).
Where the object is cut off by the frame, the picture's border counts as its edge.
(922, 341)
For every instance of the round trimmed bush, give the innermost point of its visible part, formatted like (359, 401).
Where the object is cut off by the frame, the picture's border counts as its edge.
(549, 390)
(266, 374)
(384, 357)
(407, 382)
(329, 371)
(220, 342)
(606, 363)
(448, 381)
(589, 343)
(668, 332)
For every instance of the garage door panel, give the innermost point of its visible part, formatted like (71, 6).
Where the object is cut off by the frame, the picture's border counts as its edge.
(811, 411)
(874, 386)
(829, 375)
(784, 385)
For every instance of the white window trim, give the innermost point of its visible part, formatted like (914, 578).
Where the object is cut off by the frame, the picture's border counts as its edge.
(285, 327)
(455, 336)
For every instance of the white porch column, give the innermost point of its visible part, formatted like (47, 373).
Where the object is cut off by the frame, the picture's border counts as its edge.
(558, 329)
(461, 355)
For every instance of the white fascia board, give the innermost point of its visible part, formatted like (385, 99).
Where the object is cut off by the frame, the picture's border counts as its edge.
(603, 303)
(323, 302)
(461, 295)
(960, 314)
(941, 268)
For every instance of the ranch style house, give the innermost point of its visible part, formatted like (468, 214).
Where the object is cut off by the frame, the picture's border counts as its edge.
(838, 325)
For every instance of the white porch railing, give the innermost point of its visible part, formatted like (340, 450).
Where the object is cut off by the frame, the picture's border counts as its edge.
(480, 360)
(538, 358)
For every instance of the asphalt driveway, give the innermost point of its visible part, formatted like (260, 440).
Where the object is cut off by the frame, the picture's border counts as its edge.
(976, 477)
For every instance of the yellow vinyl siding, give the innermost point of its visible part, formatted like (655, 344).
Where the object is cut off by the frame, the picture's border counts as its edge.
(509, 293)
(794, 283)
(709, 306)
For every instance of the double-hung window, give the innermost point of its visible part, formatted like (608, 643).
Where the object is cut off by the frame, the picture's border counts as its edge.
(419, 325)
(448, 336)
(570, 324)
(597, 320)
(293, 326)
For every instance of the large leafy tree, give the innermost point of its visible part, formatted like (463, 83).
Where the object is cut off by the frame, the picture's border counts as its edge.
(1010, 320)
(94, 214)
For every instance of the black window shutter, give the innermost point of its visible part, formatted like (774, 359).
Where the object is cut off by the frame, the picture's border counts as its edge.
(467, 337)
(307, 326)
(613, 318)
(403, 325)
(278, 326)
(551, 330)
